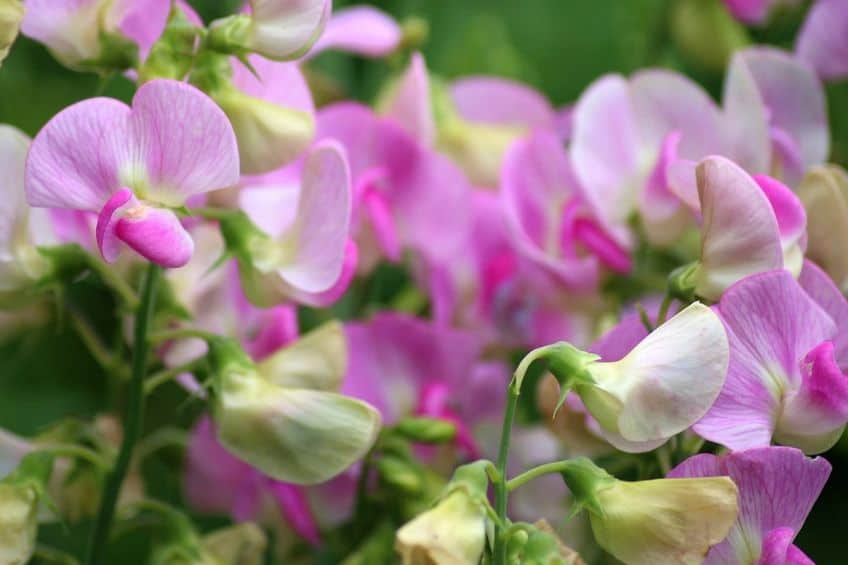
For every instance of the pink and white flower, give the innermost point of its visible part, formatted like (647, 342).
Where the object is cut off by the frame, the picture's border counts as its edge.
(823, 40)
(133, 165)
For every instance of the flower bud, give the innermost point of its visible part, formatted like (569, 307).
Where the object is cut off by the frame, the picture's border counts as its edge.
(268, 135)
(294, 435)
(657, 521)
(20, 495)
(541, 544)
(426, 430)
(11, 14)
(824, 193)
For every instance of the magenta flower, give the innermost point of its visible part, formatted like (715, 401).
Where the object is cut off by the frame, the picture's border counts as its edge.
(785, 381)
(823, 39)
(777, 489)
(75, 30)
(404, 366)
(132, 165)
(405, 197)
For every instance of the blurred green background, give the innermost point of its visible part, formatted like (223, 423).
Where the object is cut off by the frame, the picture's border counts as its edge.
(557, 46)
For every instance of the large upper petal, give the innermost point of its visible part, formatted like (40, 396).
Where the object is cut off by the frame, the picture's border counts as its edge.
(823, 39)
(740, 235)
(604, 148)
(746, 118)
(286, 29)
(771, 324)
(410, 104)
(182, 144)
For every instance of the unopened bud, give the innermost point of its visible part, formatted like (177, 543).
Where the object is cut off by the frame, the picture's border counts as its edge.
(426, 430)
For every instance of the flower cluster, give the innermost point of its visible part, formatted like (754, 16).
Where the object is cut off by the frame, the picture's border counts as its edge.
(341, 292)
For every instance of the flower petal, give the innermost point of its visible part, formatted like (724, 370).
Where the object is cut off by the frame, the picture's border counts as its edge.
(740, 234)
(183, 144)
(362, 30)
(316, 361)
(286, 29)
(822, 289)
(508, 102)
(823, 39)
(318, 236)
(746, 118)
(410, 104)
(156, 234)
(75, 159)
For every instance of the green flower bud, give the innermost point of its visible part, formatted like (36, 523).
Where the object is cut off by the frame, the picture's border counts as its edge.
(21, 492)
(400, 474)
(11, 14)
(426, 430)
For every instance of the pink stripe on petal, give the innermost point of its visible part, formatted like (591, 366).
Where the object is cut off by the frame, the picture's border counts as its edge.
(156, 234)
(820, 404)
(790, 214)
(593, 238)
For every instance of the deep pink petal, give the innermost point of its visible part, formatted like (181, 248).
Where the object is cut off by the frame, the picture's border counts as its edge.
(295, 508)
(156, 234)
(107, 221)
(823, 290)
(820, 405)
(277, 328)
(779, 550)
(362, 30)
(823, 39)
(507, 102)
(787, 208)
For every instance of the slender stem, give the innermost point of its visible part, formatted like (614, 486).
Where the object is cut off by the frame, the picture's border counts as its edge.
(95, 346)
(119, 285)
(535, 472)
(165, 437)
(96, 552)
(500, 485)
(663, 313)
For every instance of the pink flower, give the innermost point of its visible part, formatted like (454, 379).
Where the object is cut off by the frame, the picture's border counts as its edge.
(405, 366)
(777, 489)
(753, 11)
(785, 381)
(132, 165)
(823, 39)
(362, 30)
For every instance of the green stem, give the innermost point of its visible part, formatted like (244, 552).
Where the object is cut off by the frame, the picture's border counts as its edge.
(95, 346)
(179, 333)
(500, 484)
(663, 313)
(77, 451)
(119, 285)
(162, 377)
(96, 552)
(535, 472)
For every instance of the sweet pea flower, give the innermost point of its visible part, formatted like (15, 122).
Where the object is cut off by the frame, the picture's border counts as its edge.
(775, 115)
(281, 30)
(784, 382)
(754, 11)
(405, 366)
(777, 489)
(823, 40)
(548, 215)
(626, 136)
(449, 117)
(750, 225)
(131, 165)
(660, 388)
(11, 14)
(301, 250)
(94, 34)
(824, 193)
(405, 197)
(21, 229)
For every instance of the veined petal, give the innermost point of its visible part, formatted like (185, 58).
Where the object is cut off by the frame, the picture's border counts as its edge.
(771, 324)
(823, 290)
(740, 235)
(823, 39)
(362, 30)
(316, 241)
(667, 382)
(182, 144)
(75, 159)
(778, 549)
(315, 361)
